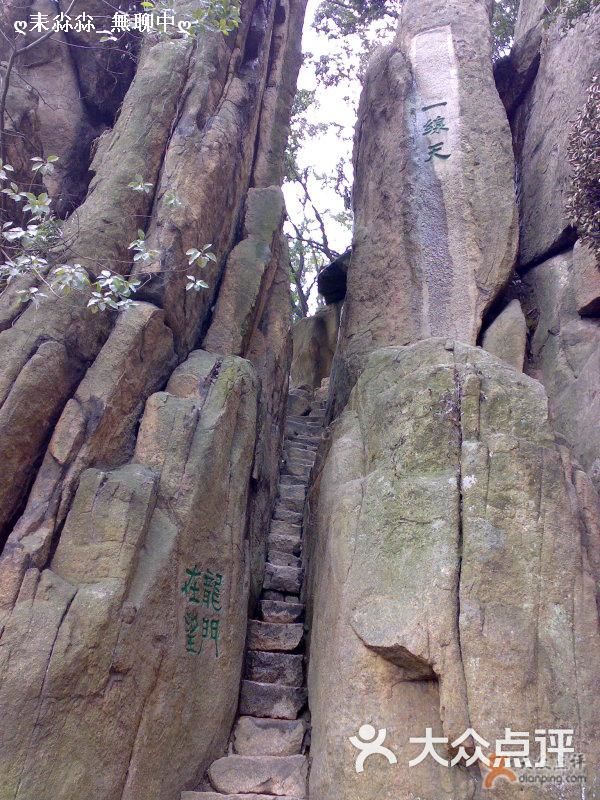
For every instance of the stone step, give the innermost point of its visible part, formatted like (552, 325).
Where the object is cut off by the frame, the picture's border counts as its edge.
(300, 454)
(271, 700)
(312, 433)
(219, 796)
(257, 736)
(280, 558)
(274, 636)
(276, 775)
(282, 668)
(285, 528)
(293, 504)
(291, 492)
(305, 419)
(282, 579)
(280, 611)
(292, 497)
(286, 544)
(310, 443)
(285, 514)
(297, 467)
(293, 480)
(300, 449)
(273, 596)
(285, 598)
(296, 439)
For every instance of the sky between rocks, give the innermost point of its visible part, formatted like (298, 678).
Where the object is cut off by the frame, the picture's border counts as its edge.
(323, 152)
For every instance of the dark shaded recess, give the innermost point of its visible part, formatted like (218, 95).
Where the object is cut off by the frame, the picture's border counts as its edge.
(331, 281)
(512, 291)
(104, 70)
(256, 33)
(279, 14)
(514, 74)
(77, 181)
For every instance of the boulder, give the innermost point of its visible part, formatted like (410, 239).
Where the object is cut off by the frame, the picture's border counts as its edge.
(143, 602)
(506, 337)
(565, 356)
(47, 350)
(331, 280)
(252, 318)
(542, 125)
(435, 226)
(285, 60)
(514, 73)
(315, 341)
(246, 271)
(452, 576)
(530, 14)
(98, 423)
(103, 73)
(66, 128)
(215, 129)
(270, 351)
(298, 402)
(586, 281)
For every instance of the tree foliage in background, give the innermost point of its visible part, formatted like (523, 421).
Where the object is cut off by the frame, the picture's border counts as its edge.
(583, 201)
(308, 239)
(356, 28)
(351, 25)
(569, 11)
(32, 245)
(503, 26)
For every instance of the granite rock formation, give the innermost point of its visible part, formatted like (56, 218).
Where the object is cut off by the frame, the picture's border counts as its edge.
(435, 230)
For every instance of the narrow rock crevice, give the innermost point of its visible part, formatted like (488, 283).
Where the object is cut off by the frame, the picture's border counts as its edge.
(269, 741)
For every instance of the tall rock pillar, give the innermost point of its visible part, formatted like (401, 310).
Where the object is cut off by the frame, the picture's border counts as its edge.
(435, 215)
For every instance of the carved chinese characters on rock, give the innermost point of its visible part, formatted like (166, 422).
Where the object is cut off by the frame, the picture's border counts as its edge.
(202, 613)
(434, 127)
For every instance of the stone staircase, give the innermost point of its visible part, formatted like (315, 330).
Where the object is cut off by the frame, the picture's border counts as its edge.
(267, 756)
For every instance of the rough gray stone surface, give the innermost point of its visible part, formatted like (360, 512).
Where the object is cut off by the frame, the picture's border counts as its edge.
(506, 337)
(565, 357)
(452, 543)
(541, 128)
(435, 231)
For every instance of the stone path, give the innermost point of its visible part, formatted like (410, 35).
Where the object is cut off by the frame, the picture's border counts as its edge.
(267, 756)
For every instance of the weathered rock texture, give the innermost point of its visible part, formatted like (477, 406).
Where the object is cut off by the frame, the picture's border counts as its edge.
(542, 124)
(506, 337)
(267, 756)
(435, 217)
(453, 572)
(252, 318)
(114, 491)
(565, 356)
(124, 652)
(57, 90)
(315, 340)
